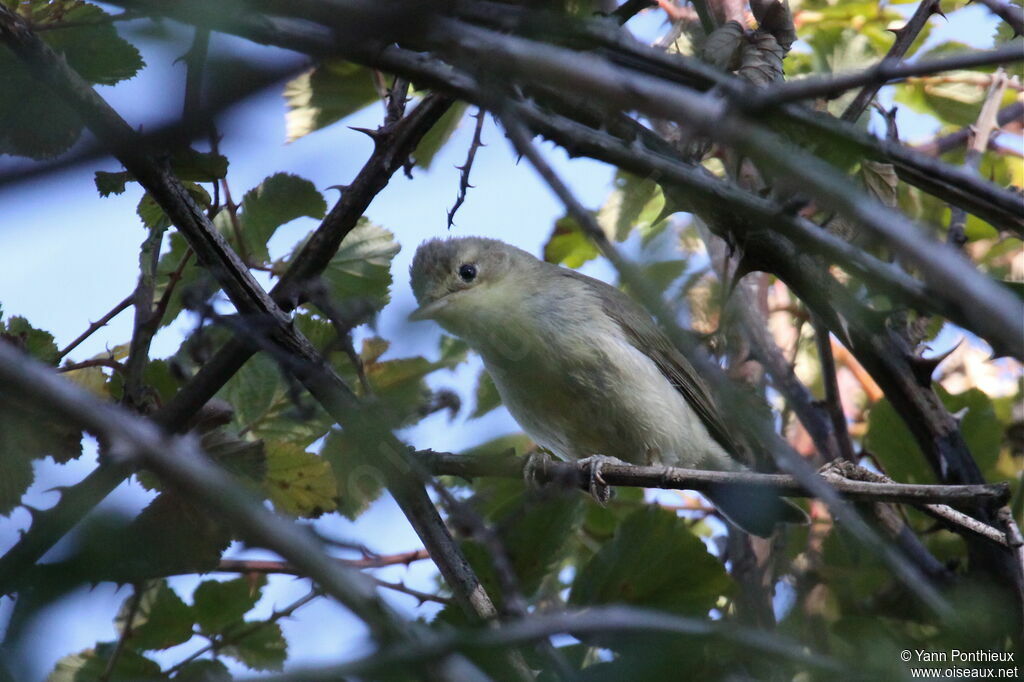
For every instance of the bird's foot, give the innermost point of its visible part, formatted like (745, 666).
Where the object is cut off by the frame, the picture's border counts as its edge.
(597, 487)
(535, 468)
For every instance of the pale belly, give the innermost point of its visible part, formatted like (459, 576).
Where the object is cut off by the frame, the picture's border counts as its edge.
(612, 401)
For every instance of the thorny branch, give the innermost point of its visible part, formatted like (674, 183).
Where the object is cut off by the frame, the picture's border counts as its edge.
(466, 168)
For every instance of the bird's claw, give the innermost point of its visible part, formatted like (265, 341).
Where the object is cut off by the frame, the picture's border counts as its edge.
(535, 467)
(597, 486)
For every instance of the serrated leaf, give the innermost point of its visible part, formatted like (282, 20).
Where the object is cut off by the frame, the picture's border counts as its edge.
(195, 166)
(111, 183)
(361, 268)
(35, 122)
(635, 203)
(325, 94)
(654, 560)
(487, 397)
(219, 604)
(91, 665)
(567, 244)
(277, 200)
(36, 342)
(92, 47)
(28, 433)
(203, 670)
(162, 619)
(722, 47)
(298, 482)
(438, 135)
(263, 646)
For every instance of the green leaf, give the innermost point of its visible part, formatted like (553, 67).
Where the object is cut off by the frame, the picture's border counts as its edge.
(438, 135)
(453, 351)
(203, 670)
(93, 48)
(487, 397)
(263, 647)
(245, 459)
(892, 443)
(90, 665)
(36, 123)
(362, 266)
(254, 390)
(36, 342)
(328, 93)
(360, 479)
(635, 203)
(220, 604)
(567, 244)
(654, 560)
(172, 535)
(154, 217)
(279, 199)
(881, 180)
(162, 619)
(722, 47)
(27, 434)
(111, 183)
(298, 482)
(194, 166)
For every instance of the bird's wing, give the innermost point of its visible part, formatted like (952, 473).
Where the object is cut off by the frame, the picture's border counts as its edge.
(646, 337)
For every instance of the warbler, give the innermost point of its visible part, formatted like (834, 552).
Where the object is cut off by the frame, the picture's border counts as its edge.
(583, 369)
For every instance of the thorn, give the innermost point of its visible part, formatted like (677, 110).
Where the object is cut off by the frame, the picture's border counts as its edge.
(938, 10)
(923, 368)
(374, 135)
(340, 188)
(959, 415)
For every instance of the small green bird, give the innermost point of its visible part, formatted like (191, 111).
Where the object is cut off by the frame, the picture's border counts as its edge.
(582, 367)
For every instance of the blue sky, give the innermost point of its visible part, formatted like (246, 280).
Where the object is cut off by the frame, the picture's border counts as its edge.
(67, 256)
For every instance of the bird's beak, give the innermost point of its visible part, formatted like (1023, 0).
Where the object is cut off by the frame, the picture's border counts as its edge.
(428, 311)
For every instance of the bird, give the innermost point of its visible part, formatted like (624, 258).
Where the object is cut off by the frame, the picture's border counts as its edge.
(583, 368)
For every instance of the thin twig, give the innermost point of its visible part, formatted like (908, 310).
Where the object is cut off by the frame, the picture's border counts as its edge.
(266, 566)
(467, 166)
(882, 73)
(940, 145)
(905, 37)
(833, 397)
(94, 362)
(217, 643)
(981, 133)
(126, 632)
(677, 478)
(98, 324)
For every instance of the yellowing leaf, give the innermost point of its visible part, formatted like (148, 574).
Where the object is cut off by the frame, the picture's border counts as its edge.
(298, 482)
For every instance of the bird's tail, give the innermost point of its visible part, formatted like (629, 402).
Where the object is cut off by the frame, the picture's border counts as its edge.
(755, 510)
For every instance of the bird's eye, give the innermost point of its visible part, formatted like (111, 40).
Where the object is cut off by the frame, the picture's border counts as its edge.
(467, 272)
